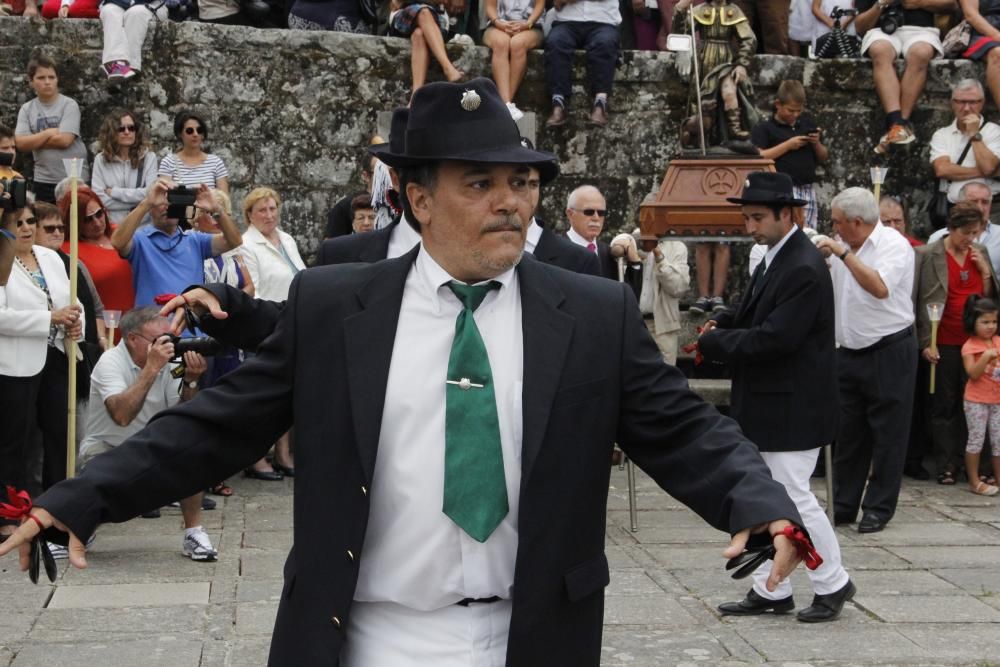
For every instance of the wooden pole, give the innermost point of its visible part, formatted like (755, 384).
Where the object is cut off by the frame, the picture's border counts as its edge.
(934, 330)
(70, 342)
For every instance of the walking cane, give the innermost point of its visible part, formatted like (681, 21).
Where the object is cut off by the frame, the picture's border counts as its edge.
(73, 169)
(626, 461)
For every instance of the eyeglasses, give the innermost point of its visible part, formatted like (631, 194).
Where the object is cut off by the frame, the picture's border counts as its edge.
(54, 229)
(122, 129)
(591, 212)
(964, 103)
(98, 214)
(28, 221)
(191, 130)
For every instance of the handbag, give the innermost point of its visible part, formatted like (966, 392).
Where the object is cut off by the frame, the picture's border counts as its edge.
(957, 40)
(938, 206)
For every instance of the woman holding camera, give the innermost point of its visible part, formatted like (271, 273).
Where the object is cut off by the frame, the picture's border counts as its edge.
(35, 317)
(273, 260)
(125, 166)
(191, 165)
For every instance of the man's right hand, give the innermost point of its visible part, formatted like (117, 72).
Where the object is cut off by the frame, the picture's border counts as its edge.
(969, 125)
(198, 299)
(160, 352)
(797, 142)
(27, 531)
(157, 194)
(931, 355)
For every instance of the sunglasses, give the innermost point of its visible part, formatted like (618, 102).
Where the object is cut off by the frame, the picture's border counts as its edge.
(122, 129)
(591, 212)
(29, 221)
(98, 214)
(54, 229)
(191, 130)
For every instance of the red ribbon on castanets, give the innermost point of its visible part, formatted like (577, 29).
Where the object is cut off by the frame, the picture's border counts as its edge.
(693, 347)
(807, 552)
(19, 506)
(163, 299)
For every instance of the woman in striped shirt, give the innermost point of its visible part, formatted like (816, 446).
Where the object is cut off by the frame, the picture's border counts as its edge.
(191, 165)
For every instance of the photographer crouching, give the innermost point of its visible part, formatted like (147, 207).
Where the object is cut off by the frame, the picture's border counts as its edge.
(134, 381)
(905, 29)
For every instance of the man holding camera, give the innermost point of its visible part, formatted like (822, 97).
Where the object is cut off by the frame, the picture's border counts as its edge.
(130, 384)
(165, 258)
(892, 29)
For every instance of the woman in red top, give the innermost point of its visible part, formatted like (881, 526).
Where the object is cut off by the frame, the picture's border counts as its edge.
(112, 275)
(949, 271)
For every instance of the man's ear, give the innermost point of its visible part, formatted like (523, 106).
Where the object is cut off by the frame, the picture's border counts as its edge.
(421, 200)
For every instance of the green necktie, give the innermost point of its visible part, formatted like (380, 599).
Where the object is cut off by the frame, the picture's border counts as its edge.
(475, 492)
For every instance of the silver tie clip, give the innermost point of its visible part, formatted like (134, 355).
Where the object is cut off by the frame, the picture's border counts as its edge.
(464, 383)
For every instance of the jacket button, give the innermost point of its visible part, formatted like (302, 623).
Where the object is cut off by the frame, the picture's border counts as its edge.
(364, 491)
(350, 555)
(335, 621)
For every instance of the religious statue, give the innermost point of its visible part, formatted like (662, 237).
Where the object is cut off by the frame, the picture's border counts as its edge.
(724, 45)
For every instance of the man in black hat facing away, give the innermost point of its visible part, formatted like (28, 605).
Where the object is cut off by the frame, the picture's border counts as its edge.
(780, 346)
(455, 410)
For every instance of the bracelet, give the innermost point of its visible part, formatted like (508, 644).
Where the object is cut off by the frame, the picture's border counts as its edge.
(41, 528)
(844, 255)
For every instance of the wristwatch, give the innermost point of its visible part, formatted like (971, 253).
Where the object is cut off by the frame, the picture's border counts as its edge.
(978, 136)
(193, 384)
(844, 255)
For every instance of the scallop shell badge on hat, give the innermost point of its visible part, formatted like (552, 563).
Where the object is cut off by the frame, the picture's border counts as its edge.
(470, 100)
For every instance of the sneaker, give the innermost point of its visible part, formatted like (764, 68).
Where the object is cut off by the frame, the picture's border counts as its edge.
(58, 551)
(197, 546)
(118, 71)
(701, 306)
(899, 134)
(206, 504)
(515, 113)
(718, 304)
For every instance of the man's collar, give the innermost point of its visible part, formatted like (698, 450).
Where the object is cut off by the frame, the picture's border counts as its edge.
(572, 235)
(434, 277)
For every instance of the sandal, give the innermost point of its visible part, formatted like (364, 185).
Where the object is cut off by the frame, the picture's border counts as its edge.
(947, 478)
(989, 479)
(984, 489)
(221, 489)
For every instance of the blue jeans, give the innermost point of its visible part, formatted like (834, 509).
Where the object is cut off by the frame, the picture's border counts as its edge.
(599, 40)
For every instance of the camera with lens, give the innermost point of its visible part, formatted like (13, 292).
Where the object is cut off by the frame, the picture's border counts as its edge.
(891, 18)
(15, 192)
(839, 13)
(206, 346)
(178, 201)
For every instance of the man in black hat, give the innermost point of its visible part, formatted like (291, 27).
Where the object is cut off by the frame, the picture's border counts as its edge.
(455, 410)
(780, 346)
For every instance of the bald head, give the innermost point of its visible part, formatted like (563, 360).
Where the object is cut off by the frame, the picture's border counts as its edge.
(586, 211)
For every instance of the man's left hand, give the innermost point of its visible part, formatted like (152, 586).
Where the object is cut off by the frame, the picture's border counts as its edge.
(195, 366)
(205, 200)
(786, 557)
(828, 246)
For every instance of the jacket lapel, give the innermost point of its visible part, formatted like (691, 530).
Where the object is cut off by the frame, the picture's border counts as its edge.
(547, 332)
(369, 336)
(378, 248)
(772, 269)
(940, 264)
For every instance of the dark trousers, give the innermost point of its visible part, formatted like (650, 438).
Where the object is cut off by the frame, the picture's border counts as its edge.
(599, 40)
(947, 415)
(51, 410)
(920, 423)
(17, 396)
(44, 191)
(876, 402)
(769, 20)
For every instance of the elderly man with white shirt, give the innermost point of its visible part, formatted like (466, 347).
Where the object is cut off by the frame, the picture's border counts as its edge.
(872, 269)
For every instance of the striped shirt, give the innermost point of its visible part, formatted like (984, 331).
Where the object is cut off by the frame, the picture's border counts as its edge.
(208, 172)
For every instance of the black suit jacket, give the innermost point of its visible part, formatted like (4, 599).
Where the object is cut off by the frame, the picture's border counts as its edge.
(592, 377)
(560, 251)
(780, 345)
(368, 247)
(609, 268)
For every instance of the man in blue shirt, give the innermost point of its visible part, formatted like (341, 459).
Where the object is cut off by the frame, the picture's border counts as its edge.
(164, 258)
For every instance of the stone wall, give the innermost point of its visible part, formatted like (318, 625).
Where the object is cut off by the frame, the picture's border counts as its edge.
(292, 109)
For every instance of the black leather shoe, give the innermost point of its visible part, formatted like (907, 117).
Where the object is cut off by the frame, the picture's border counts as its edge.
(871, 524)
(844, 518)
(265, 475)
(827, 607)
(916, 471)
(284, 470)
(754, 604)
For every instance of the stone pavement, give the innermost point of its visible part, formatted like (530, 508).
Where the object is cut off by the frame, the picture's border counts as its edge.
(928, 591)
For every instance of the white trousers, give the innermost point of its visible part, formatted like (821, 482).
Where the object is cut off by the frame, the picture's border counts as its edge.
(385, 633)
(125, 31)
(792, 470)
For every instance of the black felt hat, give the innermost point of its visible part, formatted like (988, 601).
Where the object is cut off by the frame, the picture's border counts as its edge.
(467, 122)
(397, 134)
(767, 188)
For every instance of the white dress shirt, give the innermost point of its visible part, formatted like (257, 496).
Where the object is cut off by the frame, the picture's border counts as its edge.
(949, 141)
(414, 554)
(862, 319)
(533, 237)
(580, 241)
(402, 238)
(598, 11)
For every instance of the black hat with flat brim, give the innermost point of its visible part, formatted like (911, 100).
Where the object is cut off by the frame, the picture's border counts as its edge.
(466, 122)
(397, 134)
(768, 188)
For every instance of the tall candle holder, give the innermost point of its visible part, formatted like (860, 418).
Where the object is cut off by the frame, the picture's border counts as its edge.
(934, 312)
